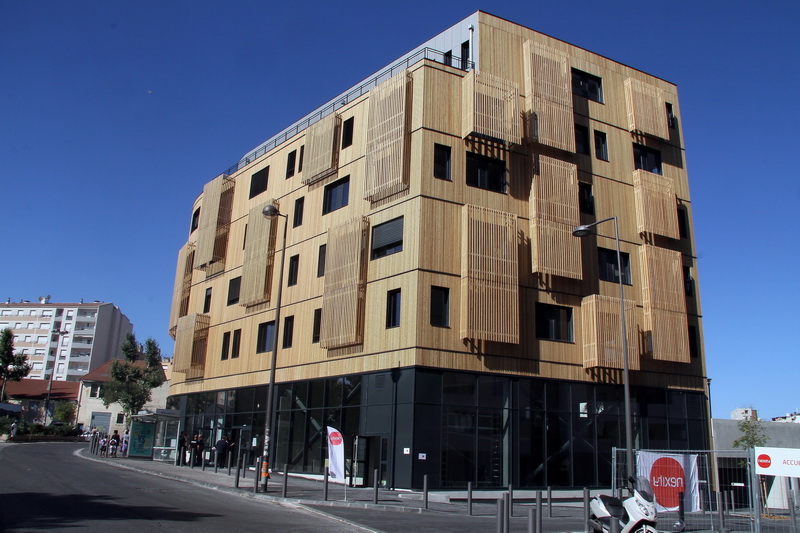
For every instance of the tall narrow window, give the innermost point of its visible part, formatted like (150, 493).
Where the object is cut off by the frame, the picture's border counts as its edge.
(237, 339)
(347, 132)
(688, 281)
(581, 139)
(258, 182)
(321, 260)
(393, 308)
(226, 344)
(585, 198)
(233, 290)
(683, 223)
(441, 162)
(645, 158)
(288, 331)
(300, 161)
(317, 326)
(553, 322)
(600, 145)
(336, 195)
(448, 58)
(670, 115)
(195, 220)
(440, 307)
(465, 55)
(387, 238)
(298, 211)
(265, 337)
(294, 265)
(486, 173)
(290, 162)
(207, 301)
(607, 266)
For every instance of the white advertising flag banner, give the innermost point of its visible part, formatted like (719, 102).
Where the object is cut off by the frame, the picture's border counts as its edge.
(336, 455)
(670, 475)
(777, 461)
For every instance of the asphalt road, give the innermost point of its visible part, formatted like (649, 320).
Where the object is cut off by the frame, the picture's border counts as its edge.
(45, 487)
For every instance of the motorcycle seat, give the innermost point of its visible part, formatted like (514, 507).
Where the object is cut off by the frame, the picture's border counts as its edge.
(613, 505)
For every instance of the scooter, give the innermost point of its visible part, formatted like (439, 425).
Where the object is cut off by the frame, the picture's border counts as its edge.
(637, 514)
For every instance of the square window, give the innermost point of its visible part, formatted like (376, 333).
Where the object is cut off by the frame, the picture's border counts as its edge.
(393, 309)
(321, 260)
(207, 301)
(335, 196)
(120, 418)
(581, 139)
(347, 132)
(300, 161)
(237, 339)
(317, 325)
(299, 204)
(387, 238)
(600, 145)
(233, 290)
(258, 182)
(585, 198)
(486, 173)
(294, 264)
(607, 266)
(645, 158)
(440, 307)
(553, 322)
(288, 331)
(226, 343)
(290, 162)
(441, 162)
(266, 337)
(587, 85)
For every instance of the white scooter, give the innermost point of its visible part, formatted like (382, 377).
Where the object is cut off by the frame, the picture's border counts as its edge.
(636, 514)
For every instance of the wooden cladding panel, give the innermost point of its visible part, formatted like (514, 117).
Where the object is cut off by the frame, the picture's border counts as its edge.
(554, 250)
(656, 204)
(191, 342)
(491, 107)
(183, 285)
(646, 110)
(602, 333)
(489, 275)
(345, 279)
(552, 124)
(548, 88)
(259, 252)
(662, 279)
(207, 225)
(322, 149)
(669, 335)
(387, 138)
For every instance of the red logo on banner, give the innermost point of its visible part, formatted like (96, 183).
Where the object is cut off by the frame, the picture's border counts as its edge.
(668, 480)
(764, 460)
(335, 438)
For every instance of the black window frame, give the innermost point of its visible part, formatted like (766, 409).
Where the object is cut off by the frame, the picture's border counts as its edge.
(259, 182)
(440, 307)
(385, 239)
(300, 159)
(234, 288)
(585, 198)
(601, 145)
(333, 198)
(195, 221)
(236, 343)
(641, 159)
(263, 337)
(317, 326)
(207, 301)
(582, 140)
(587, 85)
(226, 345)
(482, 173)
(323, 248)
(347, 132)
(393, 308)
(291, 159)
(443, 162)
(288, 332)
(299, 206)
(294, 267)
(607, 266)
(548, 316)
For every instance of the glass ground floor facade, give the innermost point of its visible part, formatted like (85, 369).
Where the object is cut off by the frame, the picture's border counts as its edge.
(455, 427)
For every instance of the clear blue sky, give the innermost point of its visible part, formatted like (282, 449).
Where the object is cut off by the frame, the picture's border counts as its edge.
(113, 114)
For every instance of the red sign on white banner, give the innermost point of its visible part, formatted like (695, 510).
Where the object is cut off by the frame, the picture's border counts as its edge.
(670, 475)
(778, 461)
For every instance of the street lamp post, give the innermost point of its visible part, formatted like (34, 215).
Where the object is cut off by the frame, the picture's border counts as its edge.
(52, 372)
(271, 212)
(583, 231)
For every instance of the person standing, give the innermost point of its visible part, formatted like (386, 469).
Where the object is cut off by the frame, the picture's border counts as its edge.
(222, 450)
(183, 442)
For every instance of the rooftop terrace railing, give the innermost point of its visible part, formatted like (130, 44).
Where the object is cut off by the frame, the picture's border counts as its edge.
(347, 97)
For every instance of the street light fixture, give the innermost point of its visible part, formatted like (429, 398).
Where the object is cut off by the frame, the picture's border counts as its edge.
(271, 212)
(583, 231)
(53, 372)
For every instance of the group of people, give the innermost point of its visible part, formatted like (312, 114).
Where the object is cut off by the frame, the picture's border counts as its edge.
(109, 445)
(189, 450)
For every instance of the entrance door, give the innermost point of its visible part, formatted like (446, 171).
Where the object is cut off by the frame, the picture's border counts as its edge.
(366, 458)
(241, 437)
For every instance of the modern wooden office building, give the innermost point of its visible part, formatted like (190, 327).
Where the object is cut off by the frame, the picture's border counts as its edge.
(435, 307)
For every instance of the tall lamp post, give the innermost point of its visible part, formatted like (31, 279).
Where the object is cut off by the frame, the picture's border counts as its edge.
(583, 231)
(271, 212)
(53, 372)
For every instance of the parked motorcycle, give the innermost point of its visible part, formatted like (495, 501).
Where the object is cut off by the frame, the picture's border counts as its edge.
(637, 514)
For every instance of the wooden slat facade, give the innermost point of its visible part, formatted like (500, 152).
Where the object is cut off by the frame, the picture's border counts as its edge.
(669, 335)
(548, 94)
(182, 288)
(345, 278)
(490, 107)
(259, 252)
(322, 149)
(191, 344)
(656, 204)
(387, 138)
(602, 333)
(215, 220)
(489, 275)
(646, 110)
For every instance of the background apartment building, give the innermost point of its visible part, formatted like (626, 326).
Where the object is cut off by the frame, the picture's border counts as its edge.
(436, 308)
(70, 339)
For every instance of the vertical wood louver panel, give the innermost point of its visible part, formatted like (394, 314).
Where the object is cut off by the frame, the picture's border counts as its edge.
(183, 283)
(669, 335)
(489, 275)
(215, 220)
(602, 333)
(656, 204)
(259, 251)
(191, 344)
(548, 88)
(646, 110)
(322, 149)
(490, 107)
(554, 213)
(345, 279)
(387, 138)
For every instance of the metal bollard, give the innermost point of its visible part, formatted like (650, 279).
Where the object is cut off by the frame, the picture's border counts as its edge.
(238, 469)
(538, 511)
(425, 491)
(500, 515)
(376, 481)
(721, 512)
(191, 458)
(230, 460)
(325, 486)
(681, 508)
(614, 525)
(792, 504)
(586, 512)
(469, 498)
(216, 460)
(285, 488)
(549, 502)
(255, 478)
(510, 499)
(244, 466)
(506, 516)
(531, 519)
(203, 461)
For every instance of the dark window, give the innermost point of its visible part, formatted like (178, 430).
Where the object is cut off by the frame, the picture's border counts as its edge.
(683, 223)
(694, 346)
(207, 301)
(645, 158)
(258, 182)
(387, 238)
(195, 220)
(553, 322)
(393, 308)
(448, 58)
(585, 198)
(670, 115)
(244, 240)
(120, 418)
(440, 307)
(298, 211)
(336, 195)
(600, 145)
(688, 281)
(94, 391)
(294, 264)
(233, 290)
(465, 55)
(237, 339)
(266, 337)
(300, 162)
(486, 173)
(290, 162)
(607, 266)
(226, 344)
(441, 162)
(581, 139)
(321, 260)
(317, 325)
(587, 85)
(347, 132)
(288, 331)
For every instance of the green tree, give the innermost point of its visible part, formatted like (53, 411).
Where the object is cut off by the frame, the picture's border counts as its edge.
(753, 434)
(133, 379)
(65, 412)
(13, 366)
